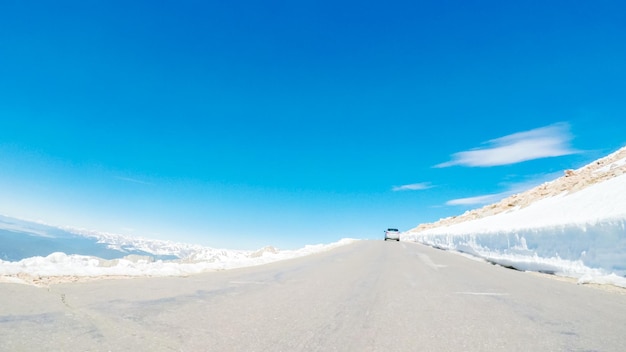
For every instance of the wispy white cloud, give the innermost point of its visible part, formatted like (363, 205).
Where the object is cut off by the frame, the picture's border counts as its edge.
(530, 181)
(412, 187)
(544, 142)
(480, 200)
(512, 188)
(133, 180)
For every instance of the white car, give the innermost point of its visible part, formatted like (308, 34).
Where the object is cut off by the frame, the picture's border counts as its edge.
(392, 234)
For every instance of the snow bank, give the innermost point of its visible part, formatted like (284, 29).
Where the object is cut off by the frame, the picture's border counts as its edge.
(61, 264)
(581, 234)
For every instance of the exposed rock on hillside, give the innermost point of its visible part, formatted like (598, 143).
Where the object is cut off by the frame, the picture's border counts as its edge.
(572, 181)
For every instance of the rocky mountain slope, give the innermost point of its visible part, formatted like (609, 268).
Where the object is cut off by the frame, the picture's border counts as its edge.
(572, 181)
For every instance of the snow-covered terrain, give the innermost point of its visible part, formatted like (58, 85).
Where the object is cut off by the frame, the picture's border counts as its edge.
(69, 267)
(574, 226)
(127, 256)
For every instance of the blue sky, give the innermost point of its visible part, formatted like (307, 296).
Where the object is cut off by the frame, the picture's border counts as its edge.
(251, 123)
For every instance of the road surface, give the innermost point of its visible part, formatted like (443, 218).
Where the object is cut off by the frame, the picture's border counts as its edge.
(367, 296)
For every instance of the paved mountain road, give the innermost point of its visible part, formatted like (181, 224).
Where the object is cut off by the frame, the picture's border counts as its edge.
(367, 296)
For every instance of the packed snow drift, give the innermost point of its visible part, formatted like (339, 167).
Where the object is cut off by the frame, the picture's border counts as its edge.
(574, 226)
(36, 253)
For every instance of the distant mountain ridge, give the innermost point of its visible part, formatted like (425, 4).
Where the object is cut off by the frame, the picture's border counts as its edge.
(41, 255)
(21, 239)
(182, 251)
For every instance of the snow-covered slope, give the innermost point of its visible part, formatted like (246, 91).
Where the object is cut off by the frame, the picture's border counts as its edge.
(574, 226)
(60, 267)
(68, 254)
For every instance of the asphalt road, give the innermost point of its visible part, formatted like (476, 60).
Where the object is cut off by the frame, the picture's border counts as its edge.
(367, 296)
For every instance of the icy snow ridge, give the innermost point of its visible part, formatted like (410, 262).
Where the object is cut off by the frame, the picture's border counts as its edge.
(578, 233)
(62, 265)
(126, 256)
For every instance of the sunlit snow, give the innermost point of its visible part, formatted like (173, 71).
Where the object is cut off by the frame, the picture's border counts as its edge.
(203, 259)
(39, 250)
(577, 233)
(580, 234)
